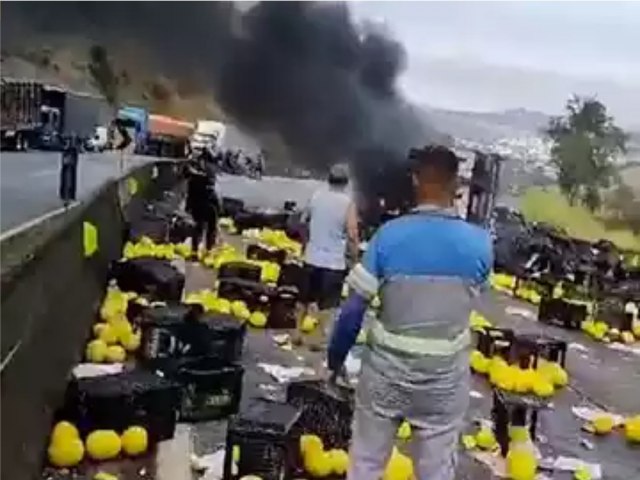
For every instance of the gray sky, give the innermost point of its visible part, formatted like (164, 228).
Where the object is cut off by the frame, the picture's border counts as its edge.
(497, 55)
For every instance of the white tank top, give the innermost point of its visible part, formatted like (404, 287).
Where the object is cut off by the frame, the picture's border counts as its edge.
(328, 229)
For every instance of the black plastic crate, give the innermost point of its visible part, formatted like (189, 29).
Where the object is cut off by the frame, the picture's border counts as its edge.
(240, 270)
(211, 387)
(557, 310)
(153, 277)
(291, 275)
(256, 251)
(225, 336)
(254, 293)
(326, 411)
(526, 349)
(249, 219)
(494, 341)
(169, 336)
(264, 432)
(118, 401)
(185, 331)
(282, 313)
(181, 227)
(172, 312)
(231, 206)
(515, 410)
(612, 311)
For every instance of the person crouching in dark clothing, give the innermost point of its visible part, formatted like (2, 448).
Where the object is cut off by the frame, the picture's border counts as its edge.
(202, 202)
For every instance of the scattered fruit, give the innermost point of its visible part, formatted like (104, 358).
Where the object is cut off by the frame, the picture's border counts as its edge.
(103, 444)
(542, 387)
(66, 453)
(399, 467)
(318, 463)
(485, 439)
(108, 334)
(116, 354)
(521, 462)
(135, 441)
(131, 342)
(223, 306)
(469, 442)
(98, 327)
(308, 324)
(240, 310)
(627, 337)
(603, 424)
(258, 319)
(404, 432)
(96, 351)
(63, 431)
(309, 443)
(479, 363)
(339, 460)
(632, 429)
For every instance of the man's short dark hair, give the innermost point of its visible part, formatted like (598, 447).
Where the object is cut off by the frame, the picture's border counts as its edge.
(339, 175)
(436, 157)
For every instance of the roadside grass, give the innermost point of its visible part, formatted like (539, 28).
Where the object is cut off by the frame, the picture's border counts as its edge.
(549, 206)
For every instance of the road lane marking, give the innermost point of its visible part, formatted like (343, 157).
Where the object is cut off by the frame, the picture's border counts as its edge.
(21, 228)
(12, 352)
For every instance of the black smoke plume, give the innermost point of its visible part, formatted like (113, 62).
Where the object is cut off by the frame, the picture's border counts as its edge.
(302, 70)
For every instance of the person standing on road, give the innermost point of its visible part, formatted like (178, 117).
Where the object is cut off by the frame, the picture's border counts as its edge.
(202, 201)
(332, 236)
(69, 170)
(427, 266)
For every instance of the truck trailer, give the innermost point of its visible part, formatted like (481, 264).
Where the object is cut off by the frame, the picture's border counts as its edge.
(37, 115)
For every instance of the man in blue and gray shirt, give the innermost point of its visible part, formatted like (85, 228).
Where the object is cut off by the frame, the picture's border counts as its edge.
(427, 267)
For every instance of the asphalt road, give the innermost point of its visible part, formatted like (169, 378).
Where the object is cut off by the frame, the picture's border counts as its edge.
(599, 377)
(29, 182)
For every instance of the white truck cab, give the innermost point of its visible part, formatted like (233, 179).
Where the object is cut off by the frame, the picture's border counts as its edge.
(208, 133)
(99, 141)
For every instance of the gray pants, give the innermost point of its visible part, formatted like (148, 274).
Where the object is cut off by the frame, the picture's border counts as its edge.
(433, 451)
(436, 416)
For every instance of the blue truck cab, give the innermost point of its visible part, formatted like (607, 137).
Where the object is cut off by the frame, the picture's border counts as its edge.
(136, 121)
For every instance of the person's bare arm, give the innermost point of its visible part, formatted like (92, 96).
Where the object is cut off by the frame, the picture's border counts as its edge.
(352, 232)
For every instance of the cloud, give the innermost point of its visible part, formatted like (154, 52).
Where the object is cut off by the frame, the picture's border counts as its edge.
(481, 55)
(479, 86)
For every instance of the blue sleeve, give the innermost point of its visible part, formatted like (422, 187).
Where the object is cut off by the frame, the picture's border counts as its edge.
(486, 259)
(345, 330)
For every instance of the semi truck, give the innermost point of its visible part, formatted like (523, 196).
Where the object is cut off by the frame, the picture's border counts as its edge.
(207, 134)
(37, 115)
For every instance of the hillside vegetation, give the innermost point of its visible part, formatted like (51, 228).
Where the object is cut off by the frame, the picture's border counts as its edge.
(549, 206)
(68, 64)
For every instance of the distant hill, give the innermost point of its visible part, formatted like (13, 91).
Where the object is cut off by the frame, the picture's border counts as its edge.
(487, 126)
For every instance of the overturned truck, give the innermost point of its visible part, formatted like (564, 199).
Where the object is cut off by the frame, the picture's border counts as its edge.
(386, 190)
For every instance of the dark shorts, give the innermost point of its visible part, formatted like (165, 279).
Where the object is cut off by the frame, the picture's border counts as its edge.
(322, 286)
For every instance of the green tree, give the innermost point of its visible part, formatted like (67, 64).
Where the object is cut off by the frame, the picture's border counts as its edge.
(103, 73)
(585, 143)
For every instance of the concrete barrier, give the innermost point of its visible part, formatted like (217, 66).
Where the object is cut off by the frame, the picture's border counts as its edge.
(49, 301)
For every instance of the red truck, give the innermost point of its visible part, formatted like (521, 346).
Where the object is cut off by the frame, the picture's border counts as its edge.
(168, 137)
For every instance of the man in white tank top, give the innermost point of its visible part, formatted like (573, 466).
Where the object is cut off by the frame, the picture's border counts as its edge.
(333, 232)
